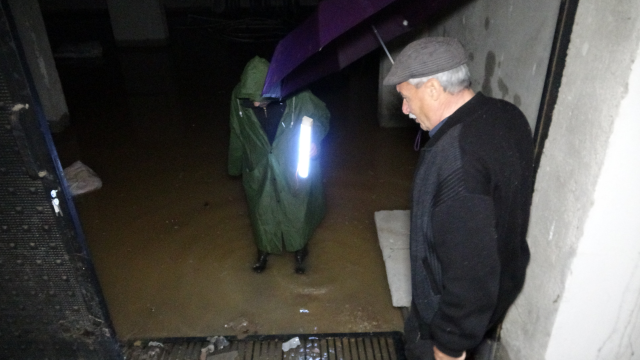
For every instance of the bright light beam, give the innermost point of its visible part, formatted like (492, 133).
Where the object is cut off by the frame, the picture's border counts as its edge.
(304, 148)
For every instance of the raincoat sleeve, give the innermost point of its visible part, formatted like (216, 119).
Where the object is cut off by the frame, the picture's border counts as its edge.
(317, 110)
(235, 143)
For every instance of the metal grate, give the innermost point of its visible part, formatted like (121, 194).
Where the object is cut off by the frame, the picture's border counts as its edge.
(351, 346)
(49, 298)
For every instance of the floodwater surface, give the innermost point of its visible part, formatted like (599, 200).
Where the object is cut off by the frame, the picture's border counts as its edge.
(169, 230)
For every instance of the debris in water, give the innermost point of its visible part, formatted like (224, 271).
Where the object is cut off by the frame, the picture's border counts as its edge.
(219, 342)
(231, 355)
(242, 327)
(291, 344)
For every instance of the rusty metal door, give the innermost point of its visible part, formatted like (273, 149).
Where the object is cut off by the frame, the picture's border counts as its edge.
(51, 305)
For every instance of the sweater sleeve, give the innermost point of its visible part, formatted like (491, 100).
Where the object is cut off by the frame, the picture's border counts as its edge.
(317, 110)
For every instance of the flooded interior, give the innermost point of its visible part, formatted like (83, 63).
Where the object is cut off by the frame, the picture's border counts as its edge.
(169, 231)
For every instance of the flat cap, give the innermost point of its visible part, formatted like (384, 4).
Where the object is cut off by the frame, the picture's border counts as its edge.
(426, 57)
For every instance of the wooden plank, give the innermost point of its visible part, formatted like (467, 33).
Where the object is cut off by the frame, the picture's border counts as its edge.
(384, 348)
(346, 350)
(166, 352)
(313, 350)
(324, 349)
(375, 344)
(331, 348)
(240, 347)
(278, 353)
(301, 351)
(271, 350)
(189, 351)
(257, 351)
(368, 348)
(176, 352)
(248, 354)
(339, 349)
(362, 355)
(392, 348)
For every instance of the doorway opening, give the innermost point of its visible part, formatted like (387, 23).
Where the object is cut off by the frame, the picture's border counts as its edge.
(169, 230)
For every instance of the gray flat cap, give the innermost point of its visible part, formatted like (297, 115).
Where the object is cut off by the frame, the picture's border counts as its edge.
(426, 57)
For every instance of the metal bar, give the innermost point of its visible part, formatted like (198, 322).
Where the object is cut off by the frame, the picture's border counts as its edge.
(382, 43)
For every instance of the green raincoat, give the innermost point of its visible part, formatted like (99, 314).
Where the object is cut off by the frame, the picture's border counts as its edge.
(284, 208)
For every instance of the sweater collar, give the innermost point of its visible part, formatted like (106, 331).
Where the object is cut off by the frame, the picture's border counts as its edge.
(464, 113)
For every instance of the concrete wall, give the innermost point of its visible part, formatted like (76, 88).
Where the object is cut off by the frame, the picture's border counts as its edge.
(35, 42)
(509, 43)
(141, 22)
(581, 299)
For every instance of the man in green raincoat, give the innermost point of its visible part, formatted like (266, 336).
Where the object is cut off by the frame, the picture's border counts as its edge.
(284, 208)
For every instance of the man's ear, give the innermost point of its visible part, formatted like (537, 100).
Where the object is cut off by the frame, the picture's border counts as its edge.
(434, 89)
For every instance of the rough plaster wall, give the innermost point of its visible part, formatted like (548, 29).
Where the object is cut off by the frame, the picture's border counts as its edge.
(603, 46)
(35, 42)
(599, 316)
(508, 41)
(138, 22)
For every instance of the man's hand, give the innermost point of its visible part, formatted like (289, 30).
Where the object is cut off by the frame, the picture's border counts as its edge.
(314, 151)
(439, 355)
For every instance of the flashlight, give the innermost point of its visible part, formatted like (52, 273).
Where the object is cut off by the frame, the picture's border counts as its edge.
(304, 147)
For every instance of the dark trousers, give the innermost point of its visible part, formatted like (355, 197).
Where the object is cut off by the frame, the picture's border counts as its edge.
(419, 349)
(414, 347)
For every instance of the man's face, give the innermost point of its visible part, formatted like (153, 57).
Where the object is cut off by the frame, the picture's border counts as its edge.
(415, 104)
(261, 103)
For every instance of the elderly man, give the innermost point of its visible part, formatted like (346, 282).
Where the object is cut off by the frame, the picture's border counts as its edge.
(470, 203)
(284, 208)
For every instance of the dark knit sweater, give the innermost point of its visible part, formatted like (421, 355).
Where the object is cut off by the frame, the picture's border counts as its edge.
(470, 211)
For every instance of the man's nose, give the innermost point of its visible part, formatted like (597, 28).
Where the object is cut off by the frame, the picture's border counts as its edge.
(405, 107)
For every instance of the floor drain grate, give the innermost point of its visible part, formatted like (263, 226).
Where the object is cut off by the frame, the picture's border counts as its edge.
(351, 346)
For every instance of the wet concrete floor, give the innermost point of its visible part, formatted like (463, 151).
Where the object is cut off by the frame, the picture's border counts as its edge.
(169, 231)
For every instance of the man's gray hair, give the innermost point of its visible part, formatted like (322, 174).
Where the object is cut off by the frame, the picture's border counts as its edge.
(452, 81)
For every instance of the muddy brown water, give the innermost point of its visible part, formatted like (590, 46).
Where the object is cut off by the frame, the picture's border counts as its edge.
(169, 231)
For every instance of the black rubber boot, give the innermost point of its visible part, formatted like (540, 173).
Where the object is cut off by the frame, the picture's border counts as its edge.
(300, 255)
(261, 264)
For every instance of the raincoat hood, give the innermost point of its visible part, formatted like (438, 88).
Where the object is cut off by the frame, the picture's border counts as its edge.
(252, 79)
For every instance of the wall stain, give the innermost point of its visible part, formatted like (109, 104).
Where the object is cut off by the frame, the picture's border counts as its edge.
(517, 100)
(502, 86)
(489, 70)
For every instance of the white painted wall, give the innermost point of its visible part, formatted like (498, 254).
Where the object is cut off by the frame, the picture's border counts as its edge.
(582, 295)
